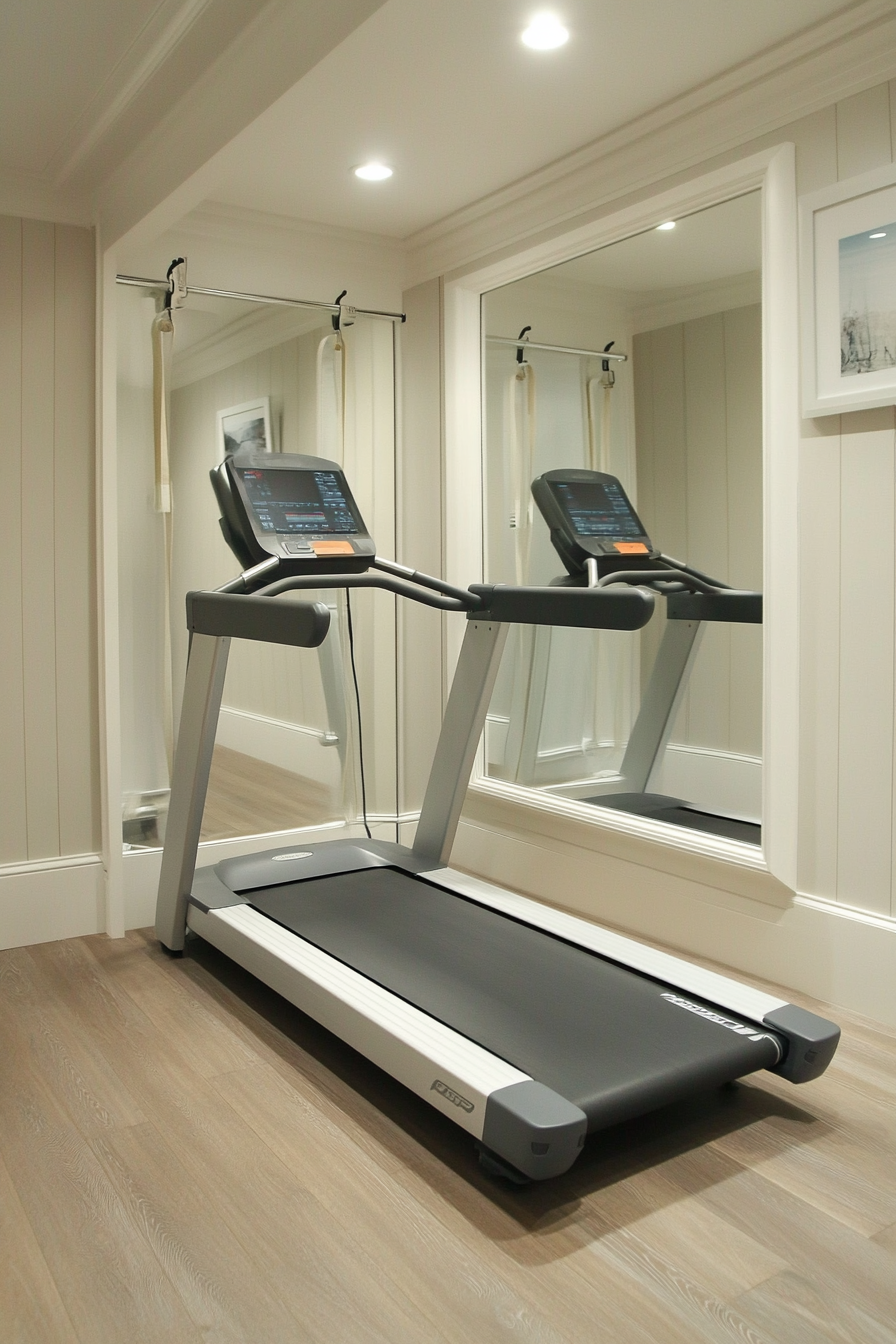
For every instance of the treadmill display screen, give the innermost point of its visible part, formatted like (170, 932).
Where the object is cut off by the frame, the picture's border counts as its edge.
(304, 502)
(597, 510)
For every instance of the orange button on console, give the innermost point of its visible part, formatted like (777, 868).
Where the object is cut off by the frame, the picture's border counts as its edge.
(631, 547)
(332, 548)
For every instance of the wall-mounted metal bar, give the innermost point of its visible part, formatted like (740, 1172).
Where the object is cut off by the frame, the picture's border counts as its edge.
(557, 349)
(138, 282)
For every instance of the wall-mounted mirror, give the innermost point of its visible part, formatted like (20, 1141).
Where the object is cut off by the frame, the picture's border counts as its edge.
(666, 724)
(280, 378)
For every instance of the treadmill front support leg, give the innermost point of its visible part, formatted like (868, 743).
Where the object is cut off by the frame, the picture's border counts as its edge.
(471, 691)
(659, 705)
(203, 688)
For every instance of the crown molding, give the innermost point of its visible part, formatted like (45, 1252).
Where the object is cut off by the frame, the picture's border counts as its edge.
(32, 196)
(225, 223)
(846, 54)
(132, 73)
(172, 169)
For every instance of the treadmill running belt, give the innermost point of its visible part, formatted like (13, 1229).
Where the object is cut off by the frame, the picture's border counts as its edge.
(613, 1042)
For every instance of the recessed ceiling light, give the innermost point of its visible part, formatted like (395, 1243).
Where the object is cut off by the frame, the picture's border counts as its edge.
(669, 224)
(880, 234)
(373, 172)
(545, 32)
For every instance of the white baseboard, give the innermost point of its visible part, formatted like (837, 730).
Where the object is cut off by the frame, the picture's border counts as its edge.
(291, 746)
(49, 899)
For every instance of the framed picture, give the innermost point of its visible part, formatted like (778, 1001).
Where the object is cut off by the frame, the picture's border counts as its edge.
(848, 294)
(246, 427)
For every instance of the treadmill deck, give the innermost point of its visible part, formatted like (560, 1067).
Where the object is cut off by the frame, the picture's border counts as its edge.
(608, 1039)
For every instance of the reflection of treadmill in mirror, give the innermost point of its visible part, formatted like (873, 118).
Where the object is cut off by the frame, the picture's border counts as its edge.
(601, 541)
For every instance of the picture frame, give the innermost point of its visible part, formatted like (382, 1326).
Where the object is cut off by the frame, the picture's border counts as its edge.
(246, 425)
(848, 294)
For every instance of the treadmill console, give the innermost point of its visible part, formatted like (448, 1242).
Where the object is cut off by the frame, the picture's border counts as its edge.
(299, 509)
(591, 517)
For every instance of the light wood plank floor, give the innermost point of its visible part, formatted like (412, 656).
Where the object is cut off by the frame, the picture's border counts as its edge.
(250, 797)
(186, 1158)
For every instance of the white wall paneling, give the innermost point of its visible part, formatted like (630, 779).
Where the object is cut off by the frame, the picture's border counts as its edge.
(49, 804)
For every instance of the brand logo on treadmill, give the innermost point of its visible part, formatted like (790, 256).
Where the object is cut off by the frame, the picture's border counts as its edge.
(450, 1095)
(299, 854)
(721, 1021)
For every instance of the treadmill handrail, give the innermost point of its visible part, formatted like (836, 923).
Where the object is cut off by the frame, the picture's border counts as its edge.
(244, 616)
(681, 578)
(391, 584)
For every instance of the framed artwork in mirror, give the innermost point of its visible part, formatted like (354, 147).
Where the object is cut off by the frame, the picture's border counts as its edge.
(848, 299)
(247, 427)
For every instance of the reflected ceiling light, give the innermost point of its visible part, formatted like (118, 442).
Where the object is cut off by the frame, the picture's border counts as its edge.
(669, 224)
(372, 172)
(881, 233)
(545, 33)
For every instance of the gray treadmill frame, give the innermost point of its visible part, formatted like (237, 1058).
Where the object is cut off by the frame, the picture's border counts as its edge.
(534, 1129)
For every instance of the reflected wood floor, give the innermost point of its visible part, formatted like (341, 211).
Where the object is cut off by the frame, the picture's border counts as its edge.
(186, 1158)
(250, 797)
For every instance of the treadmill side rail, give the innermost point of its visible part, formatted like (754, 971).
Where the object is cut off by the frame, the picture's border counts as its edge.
(527, 1124)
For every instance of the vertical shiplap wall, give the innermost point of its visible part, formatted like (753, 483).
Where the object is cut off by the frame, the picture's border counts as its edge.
(49, 781)
(847, 547)
(698, 427)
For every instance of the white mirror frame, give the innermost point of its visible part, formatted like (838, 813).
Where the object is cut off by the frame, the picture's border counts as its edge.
(774, 173)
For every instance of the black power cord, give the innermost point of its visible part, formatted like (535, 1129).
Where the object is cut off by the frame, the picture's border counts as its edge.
(351, 654)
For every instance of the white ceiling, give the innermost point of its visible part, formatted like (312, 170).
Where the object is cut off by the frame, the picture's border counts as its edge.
(445, 92)
(441, 89)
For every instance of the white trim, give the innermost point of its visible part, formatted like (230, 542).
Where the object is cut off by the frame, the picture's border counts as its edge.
(107, 571)
(718, 989)
(851, 912)
(409, 1044)
(678, 838)
(772, 170)
(44, 900)
(48, 865)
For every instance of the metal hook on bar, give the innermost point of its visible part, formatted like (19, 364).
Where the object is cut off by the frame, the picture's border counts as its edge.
(344, 315)
(176, 275)
(520, 355)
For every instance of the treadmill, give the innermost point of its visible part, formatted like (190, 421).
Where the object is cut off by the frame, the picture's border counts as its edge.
(526, 1026)
(602, 542)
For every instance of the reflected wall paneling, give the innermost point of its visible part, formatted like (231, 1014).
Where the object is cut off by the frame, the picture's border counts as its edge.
(699, 434)
(48, 690)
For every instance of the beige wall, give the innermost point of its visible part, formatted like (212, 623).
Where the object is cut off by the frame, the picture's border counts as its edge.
(49, 782)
